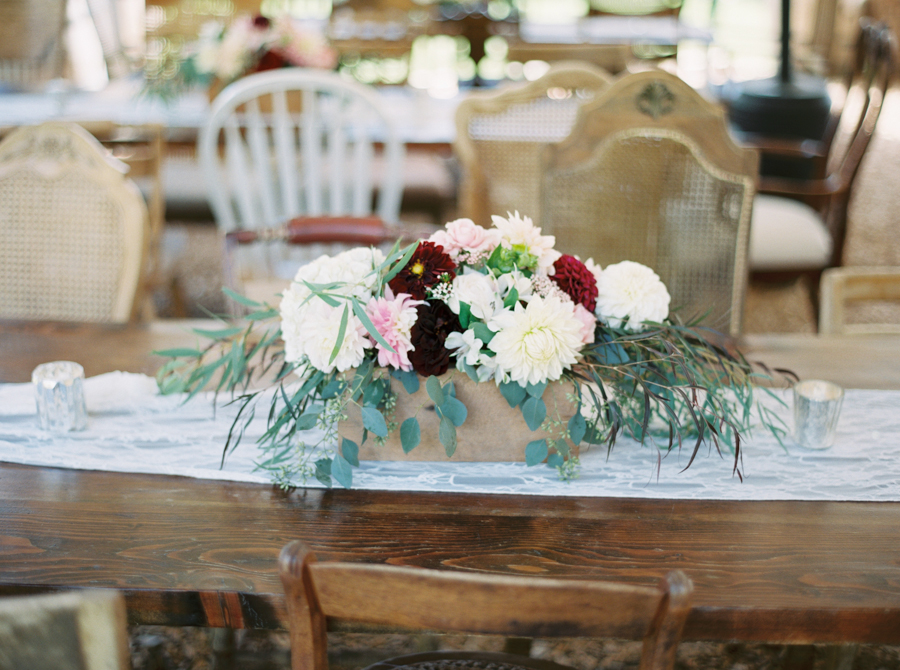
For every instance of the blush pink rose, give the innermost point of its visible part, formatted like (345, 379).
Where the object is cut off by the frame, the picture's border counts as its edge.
(464, 235)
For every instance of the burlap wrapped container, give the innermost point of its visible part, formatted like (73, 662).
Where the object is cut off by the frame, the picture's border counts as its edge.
(492, 431)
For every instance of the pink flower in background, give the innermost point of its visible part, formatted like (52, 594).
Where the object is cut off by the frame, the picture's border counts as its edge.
(588, 322)
(466, 236)
(394, 318)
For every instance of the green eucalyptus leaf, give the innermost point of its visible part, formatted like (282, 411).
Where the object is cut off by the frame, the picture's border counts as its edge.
(262, 315)
(447, 435)
(342, 471)
(350, 451)
(536, 390)
(408, 378)
(373, 420)
(307, 420)
(435, 392)
(555, 461)
(577, 428)
(454, 410)
(470, 371)
(513, 392)
(332, 388)
(482, 332)
(410, 250)
(179, 353)
(410, 434)
(323, 471)
(511, 298)
(373, 394)
(342, 330)
(465, 314)
(223, 334)
(242, 299)
(536, 452)
(535, 411)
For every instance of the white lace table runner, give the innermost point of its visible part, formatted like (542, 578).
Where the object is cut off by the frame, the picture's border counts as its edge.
(133, 429)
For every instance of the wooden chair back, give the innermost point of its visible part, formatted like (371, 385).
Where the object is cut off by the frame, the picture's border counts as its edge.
(650, 174)
(501, 135)
(73, 228)
(320, 593)
(841, 287)
(847, 139)
(316, 235)
(84, 630)
(298, 142)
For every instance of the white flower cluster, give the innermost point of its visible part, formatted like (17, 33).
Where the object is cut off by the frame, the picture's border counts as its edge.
(523, 317)
(310, 325)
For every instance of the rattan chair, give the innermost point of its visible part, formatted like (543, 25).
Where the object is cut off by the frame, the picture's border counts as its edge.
(297, 142)
(452, 601)
(799, 225)
(73, 228)
(83, 630)
(500, 137)
(650, 174)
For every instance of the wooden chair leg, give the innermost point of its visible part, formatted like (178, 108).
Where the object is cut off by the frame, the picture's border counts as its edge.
(224, 646)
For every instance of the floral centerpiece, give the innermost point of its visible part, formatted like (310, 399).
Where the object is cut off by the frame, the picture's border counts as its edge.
(222, 54)
(360, 333)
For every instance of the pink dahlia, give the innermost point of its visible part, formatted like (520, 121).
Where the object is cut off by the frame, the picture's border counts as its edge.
(394, 318)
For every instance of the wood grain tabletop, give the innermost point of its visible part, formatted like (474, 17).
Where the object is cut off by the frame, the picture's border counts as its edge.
(203, 552)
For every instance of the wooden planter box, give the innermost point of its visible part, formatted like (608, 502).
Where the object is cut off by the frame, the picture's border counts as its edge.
(492, 431)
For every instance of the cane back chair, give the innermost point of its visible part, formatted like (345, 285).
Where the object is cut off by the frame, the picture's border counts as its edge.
(73, 228)
(439, 600)
(297, 142)
(650, 174)
(500, 137)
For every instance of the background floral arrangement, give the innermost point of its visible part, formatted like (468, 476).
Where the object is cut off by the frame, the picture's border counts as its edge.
(248, 44)
(499, 305)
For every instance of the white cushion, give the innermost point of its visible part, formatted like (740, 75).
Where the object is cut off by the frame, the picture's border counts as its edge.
(787, 235)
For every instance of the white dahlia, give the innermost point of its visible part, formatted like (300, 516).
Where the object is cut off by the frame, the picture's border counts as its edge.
(520, 231)
(311, 332)
(537, 343)
(352, 269)
(632, 291)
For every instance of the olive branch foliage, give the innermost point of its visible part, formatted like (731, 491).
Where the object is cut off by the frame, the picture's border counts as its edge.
(669, 385)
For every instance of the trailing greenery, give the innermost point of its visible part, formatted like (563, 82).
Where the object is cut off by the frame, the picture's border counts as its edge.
(667, 386)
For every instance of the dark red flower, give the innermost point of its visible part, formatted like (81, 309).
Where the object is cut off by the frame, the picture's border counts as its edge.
(270, 60)
(576, 281)
(428, 264)
(261, 22)
(434, 322)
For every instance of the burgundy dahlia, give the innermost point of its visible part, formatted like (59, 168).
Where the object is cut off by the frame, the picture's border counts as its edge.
(434, 322)
(429, 263)
(576, 281)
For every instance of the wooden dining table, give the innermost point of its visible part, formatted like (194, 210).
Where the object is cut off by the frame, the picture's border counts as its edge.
(192, 552)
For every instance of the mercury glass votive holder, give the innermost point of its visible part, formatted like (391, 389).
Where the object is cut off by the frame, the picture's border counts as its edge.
(817, 406)
(59, 394)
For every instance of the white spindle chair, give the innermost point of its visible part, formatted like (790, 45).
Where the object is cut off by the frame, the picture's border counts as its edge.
(298, 142)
